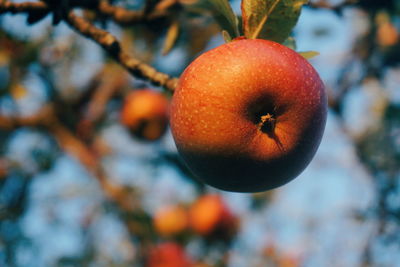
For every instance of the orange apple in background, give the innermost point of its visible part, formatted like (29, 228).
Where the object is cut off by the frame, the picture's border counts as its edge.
(249, 115)
(170, 220)
(145, 114)
(209, 215)
(387, 34)
(289, 261)
(168, 254)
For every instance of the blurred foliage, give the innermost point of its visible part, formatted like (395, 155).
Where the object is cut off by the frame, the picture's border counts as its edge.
(86, 89)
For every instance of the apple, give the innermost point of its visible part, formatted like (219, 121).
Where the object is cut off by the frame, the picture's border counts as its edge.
(387, 34)
(248, 116)
(170, 220)
(289, 261)
(145, 114)
(169, 254)
(209, 216)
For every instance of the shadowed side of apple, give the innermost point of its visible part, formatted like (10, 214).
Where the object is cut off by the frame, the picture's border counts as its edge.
(248, 116)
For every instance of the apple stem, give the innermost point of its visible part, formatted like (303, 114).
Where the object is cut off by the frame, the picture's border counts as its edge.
(267, 123)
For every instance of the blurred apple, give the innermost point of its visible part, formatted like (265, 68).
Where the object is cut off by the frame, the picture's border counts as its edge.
(170, 220)
(209, 216)
(168, 255)
(387, 34)
(145, 114)
(288, 261)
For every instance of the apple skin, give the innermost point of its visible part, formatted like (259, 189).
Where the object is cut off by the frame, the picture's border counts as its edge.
(220, 102)
(145, 114)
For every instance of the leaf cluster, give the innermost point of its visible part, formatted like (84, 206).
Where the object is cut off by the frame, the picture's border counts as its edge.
(261, 19)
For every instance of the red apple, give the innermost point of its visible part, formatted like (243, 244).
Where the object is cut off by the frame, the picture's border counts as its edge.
(249, 115)
(168, 254)
(145, 114)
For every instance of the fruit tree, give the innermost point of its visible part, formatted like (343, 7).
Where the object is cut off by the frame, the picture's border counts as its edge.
(199, 133)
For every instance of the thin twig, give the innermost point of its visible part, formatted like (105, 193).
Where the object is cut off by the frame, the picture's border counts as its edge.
(46, 118)
(103, 38)
(119, 14)
(124, 16)
(26, 7)
(113, 47)
(88, 158)
(110, 82)
(41, 118)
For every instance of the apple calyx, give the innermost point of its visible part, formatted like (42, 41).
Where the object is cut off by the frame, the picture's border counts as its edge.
(267, 123)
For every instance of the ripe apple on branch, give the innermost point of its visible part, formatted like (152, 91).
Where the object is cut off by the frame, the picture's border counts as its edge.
(249, 115)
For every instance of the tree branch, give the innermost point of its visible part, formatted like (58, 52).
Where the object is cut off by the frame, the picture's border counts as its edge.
(123, 16)
(113, 47)
(41, 118)
(26, 7)
(74, 146)
(119, 14)
(103, 38)
(46, 118)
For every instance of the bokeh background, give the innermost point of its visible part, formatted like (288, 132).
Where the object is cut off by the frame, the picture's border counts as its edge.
(343, 210)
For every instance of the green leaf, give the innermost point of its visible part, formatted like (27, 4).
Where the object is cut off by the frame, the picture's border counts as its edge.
(270, 19)
(309, 54)
(226, 36)
(225, 16)
(170, 39)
